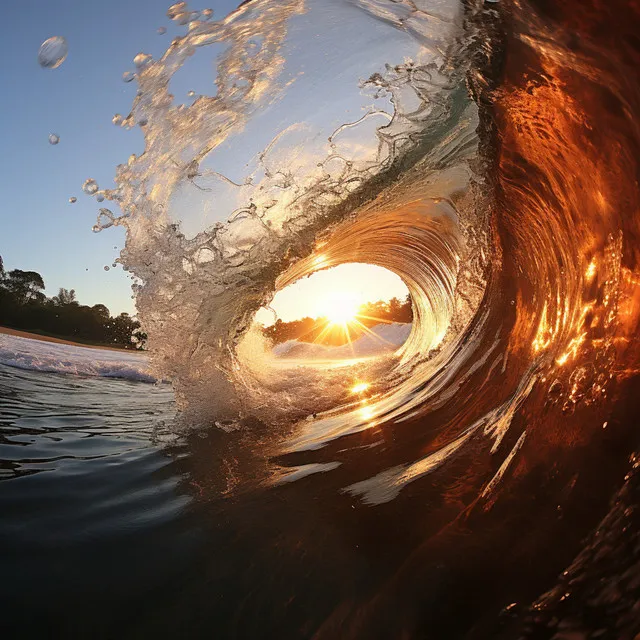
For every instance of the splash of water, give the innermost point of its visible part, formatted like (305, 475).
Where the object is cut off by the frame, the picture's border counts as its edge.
(298, 195)
(515, 272)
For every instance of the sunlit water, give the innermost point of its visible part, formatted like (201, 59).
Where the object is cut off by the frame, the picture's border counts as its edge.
(487, 153)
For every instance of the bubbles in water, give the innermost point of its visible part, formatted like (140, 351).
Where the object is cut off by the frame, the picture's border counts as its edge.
(73, 199)
(53, 52)
(90, 186)
(128, 76)
(161, 31)
(142, 59)
(54, 138)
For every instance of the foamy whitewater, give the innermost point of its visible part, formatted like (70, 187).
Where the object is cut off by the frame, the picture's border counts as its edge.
(383, 338)
(38, 355)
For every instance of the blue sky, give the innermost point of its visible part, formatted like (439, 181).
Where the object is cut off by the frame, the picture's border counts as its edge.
(39, 229)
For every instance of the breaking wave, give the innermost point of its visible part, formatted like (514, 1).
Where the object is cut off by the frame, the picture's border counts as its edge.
(487, 153)
(516, 265)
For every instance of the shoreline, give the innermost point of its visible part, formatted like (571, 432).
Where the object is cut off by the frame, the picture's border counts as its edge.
(42, 338)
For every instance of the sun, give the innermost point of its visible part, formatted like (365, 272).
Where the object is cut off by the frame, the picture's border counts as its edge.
(340, 308)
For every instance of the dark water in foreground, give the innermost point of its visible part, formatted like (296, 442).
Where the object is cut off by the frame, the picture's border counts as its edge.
(112, 527)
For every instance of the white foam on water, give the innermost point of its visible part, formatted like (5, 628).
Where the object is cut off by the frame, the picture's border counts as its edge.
(50, 357)
(383, 338)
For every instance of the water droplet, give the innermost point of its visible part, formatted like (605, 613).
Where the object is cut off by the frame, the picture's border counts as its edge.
(53, 52)
(176, 9)
(191, 94)
(54, 138)
(142, 59)
(106, 267)
(207, 13)
(114, 265)
(161, 31)
(105, 219)
(90, 186)
(100, 198)
(117, 119)
(73, 199)
(128, 76)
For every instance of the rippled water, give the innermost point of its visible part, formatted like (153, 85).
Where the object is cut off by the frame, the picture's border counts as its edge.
(484, 485)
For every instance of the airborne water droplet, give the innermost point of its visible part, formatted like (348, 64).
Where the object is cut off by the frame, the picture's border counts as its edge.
(161, 31)
(191, 94)
(54, 138)
(207, 13)
(128, 76)
(73, 199)
(176, 9)
(183, 18)
(90, 186)
(105, 219)
(106, 267)
(100, 198)
(142, 59)
(53, 52)
(117, 119)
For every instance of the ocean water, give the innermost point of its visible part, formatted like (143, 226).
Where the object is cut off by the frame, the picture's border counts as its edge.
(478, 481)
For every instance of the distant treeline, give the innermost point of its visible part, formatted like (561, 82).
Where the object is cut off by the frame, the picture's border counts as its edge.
(23, 306)
(319, 330)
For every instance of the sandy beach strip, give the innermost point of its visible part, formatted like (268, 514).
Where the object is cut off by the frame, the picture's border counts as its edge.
(36, 336)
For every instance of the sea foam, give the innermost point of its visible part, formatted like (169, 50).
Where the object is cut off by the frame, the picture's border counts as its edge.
(37, 355)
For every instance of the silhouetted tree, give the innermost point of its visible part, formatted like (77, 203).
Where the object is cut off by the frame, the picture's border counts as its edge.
(100, 311)
(23, 305)
(25, 285)
(65, 296)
